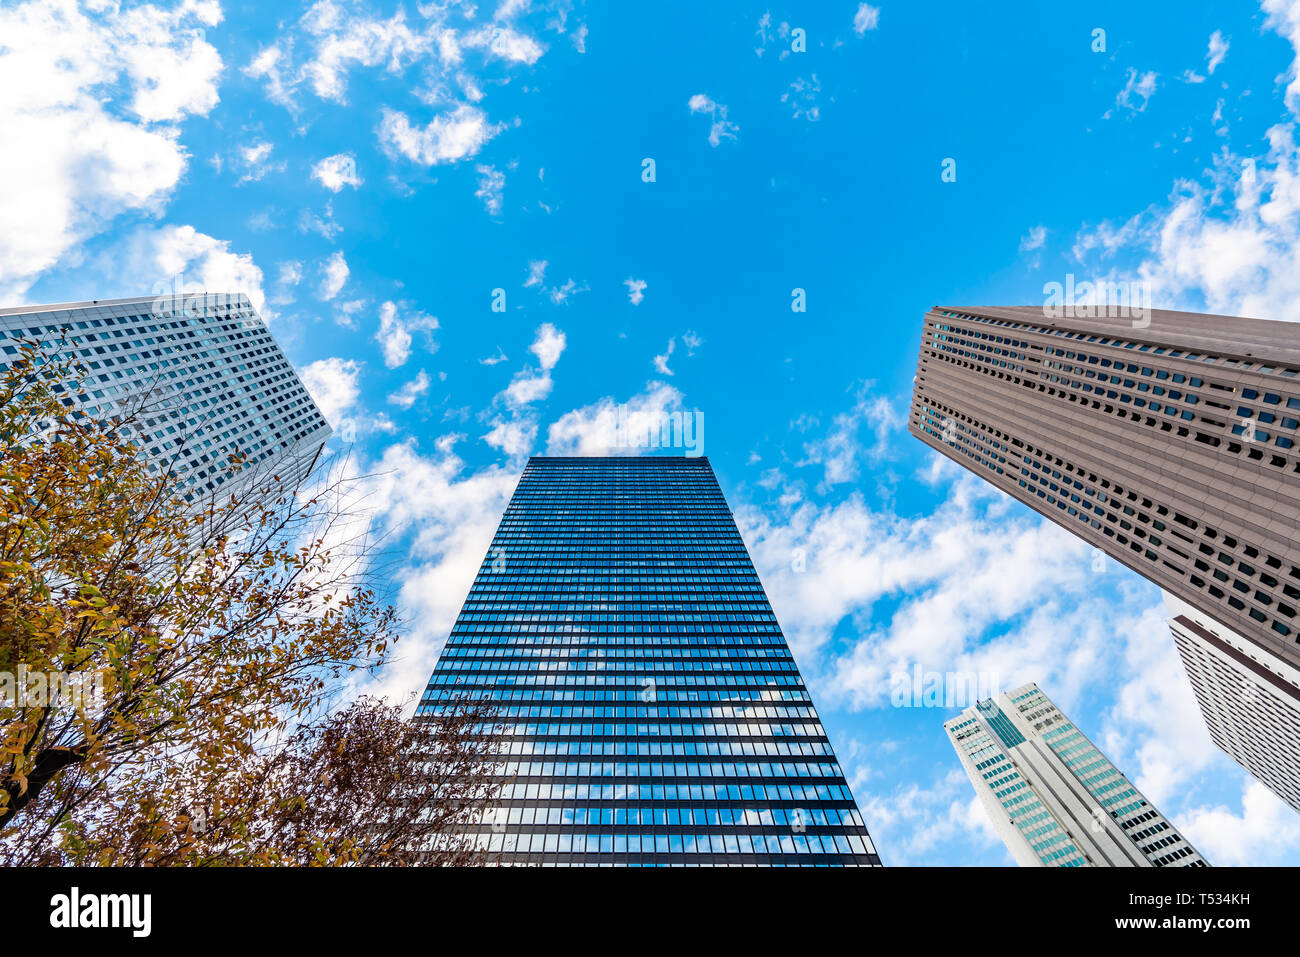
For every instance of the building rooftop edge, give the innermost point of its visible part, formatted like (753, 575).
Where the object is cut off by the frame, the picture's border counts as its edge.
(96, 303)
(617, 458)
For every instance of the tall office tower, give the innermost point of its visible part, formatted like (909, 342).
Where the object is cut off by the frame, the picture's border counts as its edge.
(1053, 797)
(653, 713)
(203, 375)
(1250, 700)
(1166, 440)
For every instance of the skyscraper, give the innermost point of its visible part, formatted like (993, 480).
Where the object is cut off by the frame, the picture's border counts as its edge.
(1250, 701)
(1053, 797)
(203, 376)
(653, 713)
(1167, 440)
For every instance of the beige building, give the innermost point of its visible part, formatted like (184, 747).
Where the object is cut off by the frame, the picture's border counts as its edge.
(1168, 441)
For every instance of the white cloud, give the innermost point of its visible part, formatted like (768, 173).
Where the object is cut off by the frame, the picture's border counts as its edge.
(510, 9)
(593, 429)
(338, 38)
(1265, 832)
(448, 515)
(513, 436)
(548, 346)
(1137, 91)
(491, 182)
(661, 361)
(1284, 17)
(179, 258)
(334, 385)
(268, 65)
(840, 451)
(335, 172)
(310, 222)
(514, 431)
(395, 329)
(255, 160)
(916, 819)
(561, 294)
(405, 397)
(1036, 238)
(536, 273)
(345, 313)
(558, 294)
(528, 387)
(334, 275)
(89, 107)
(635, 290)
(867, 18)
(947, 573)
(447, 138)
(721, 128)
(1232, 245)
(1218, 50)
(289, 277)
(802, 97)
(506, 43)
(579, 38)
(334, 38)
(514, 427)
(764, 22)
(1154, 728)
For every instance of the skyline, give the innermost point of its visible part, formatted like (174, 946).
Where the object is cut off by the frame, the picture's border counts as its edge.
(371, 192)
(1163, 440)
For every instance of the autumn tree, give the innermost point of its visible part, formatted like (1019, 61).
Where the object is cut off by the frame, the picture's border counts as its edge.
(359, 785)
(167, 670)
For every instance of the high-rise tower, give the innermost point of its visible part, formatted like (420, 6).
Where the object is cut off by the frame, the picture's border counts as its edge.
(653, 713)
(1166, 439)
(201, 375)
(1250, 701)
(1053, 797)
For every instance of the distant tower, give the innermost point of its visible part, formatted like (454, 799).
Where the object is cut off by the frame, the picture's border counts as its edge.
(1053, 797)
(1250, 700)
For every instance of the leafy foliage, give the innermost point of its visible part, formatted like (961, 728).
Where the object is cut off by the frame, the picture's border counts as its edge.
(219, 635)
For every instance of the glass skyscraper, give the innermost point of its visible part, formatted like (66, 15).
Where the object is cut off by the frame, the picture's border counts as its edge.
(652, 712)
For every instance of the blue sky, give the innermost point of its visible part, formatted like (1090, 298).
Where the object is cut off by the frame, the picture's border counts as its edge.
(377, 175)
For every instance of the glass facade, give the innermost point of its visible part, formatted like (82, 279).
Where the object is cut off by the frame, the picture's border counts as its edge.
(1052, 796)
(652, 712)
(985, 753)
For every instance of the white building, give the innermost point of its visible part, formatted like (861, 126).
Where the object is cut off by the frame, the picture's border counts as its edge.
(203, 376)
(1053, 797)
(1249, 698)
